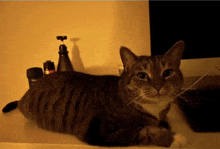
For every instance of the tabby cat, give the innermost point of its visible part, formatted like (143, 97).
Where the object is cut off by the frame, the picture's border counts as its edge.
(109, 110)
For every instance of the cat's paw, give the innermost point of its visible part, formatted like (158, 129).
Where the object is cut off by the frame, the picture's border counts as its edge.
(179, 141)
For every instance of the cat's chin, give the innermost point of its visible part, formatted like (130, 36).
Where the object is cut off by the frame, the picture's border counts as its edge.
(155, 105)
(158, 99)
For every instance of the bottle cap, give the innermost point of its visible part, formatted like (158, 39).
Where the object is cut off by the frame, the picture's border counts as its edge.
(62, 38)
(34, 73)
(63, 48)
(48, 65)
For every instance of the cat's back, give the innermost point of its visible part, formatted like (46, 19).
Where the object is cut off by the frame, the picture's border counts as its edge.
(73, 79)
(56, 99)
(61, 79)
(63, 84)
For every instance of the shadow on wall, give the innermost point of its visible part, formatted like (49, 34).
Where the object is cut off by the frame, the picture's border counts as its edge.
(100, 70)
(76, 59)
(95, 70)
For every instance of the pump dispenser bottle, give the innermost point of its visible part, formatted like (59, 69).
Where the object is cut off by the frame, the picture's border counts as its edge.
(64, 63)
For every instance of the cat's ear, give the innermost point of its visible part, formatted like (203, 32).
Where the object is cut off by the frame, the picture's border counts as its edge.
(176, 51)
(128, 58)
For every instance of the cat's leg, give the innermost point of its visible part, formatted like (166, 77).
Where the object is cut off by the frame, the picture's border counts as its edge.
(179, 141)
(165, 124)
(160, 137)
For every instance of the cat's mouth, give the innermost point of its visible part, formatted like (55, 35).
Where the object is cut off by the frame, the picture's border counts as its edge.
(154, 93)
(157, 99)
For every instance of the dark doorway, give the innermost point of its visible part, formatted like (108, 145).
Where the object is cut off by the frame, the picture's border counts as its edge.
(197, 23)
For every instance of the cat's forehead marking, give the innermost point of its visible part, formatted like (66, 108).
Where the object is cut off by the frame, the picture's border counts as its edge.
(152, 64)
(161, 62)
(145, 65)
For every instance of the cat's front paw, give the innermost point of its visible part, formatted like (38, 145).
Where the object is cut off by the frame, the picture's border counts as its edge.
(179, 141)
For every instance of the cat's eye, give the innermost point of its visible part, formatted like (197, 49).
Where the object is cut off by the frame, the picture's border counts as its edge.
(142, 75)
(167, 73)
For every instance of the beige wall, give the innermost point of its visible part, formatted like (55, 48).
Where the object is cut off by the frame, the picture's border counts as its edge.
(29, 30)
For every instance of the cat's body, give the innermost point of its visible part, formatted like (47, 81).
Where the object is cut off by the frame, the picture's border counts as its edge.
(110, 110)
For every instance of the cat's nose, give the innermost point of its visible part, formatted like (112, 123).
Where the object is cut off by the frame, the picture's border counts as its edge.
(158, 87)
(157, 84)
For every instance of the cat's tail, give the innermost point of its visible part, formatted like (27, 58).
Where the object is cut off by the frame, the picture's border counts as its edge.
(10, 106)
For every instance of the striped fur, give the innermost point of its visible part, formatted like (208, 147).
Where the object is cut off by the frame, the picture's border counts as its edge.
(110, 110)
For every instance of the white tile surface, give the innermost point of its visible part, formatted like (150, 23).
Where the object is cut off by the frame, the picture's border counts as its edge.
(18, 132)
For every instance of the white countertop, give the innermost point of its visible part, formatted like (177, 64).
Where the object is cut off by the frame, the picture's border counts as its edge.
(18, 132)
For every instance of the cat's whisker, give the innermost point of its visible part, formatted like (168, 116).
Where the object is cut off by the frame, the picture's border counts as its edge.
(136, 98)
(129, 100)
(181, 97)
(132, 100)
(142, 95)
(179, 94)
(217, 68)
(194, 83)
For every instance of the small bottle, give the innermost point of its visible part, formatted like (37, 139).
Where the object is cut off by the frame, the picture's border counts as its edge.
(49, 67)
(64, 63)
(33, 74)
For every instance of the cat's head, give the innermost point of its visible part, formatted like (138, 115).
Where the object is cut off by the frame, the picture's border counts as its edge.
(152, 79)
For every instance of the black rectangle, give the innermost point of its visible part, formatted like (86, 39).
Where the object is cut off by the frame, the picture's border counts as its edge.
(197, 23)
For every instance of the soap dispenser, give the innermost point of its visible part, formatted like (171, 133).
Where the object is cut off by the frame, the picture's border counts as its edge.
(64, 63)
